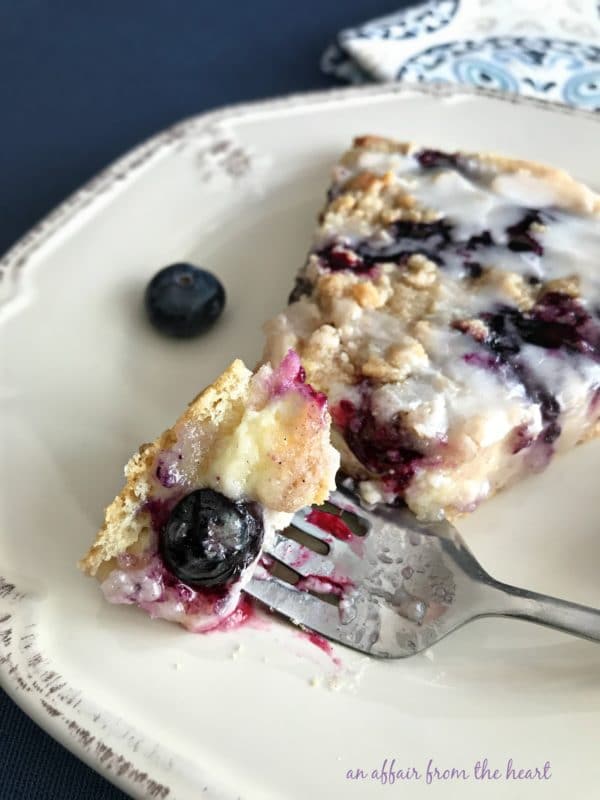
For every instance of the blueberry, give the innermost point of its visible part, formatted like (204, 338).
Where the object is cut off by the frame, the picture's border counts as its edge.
(182, 300)
(474, 269)
(385, 449)
(428, 238)
(338, 256)
(429, 159)
(209, 540)
(556, 321)
(483, 239)
(520, 239)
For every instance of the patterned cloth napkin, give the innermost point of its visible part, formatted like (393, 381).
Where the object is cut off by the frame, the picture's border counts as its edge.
(541, 48)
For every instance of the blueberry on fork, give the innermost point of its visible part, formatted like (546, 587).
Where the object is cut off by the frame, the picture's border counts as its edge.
(209, 540)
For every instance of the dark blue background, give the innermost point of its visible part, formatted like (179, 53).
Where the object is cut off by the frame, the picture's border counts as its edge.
(81, 83)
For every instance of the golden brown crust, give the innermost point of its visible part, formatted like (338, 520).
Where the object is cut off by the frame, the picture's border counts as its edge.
(368, 201)
(371, 199)
(381, 144)
(512, 286)
(332, 354)
(375, 200)
(571, 194)
(123, 522)
(237, 437)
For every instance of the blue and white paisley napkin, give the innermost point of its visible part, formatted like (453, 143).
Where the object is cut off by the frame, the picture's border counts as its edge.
(542, 48)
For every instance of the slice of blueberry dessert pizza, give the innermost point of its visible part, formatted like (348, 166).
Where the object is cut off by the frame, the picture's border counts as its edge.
(199, 503)
(450, 310)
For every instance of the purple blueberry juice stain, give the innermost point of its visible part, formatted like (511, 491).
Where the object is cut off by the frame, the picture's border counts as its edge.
(325, 584)
(335, 525)
(159, 510)
(521, 439)
(430, 239)
(409, 238)
(290, 375)
(383, 449)
(563, 321)
(474, 269)
(483, 360)
(483, 239)
(435, 240)
(331, 523)
(166, 474)
(302, 556)
(557, 322)
(434, 159)
(337, 257)
(520, 239)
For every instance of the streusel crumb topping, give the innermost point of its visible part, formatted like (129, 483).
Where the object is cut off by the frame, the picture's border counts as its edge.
(449, 309)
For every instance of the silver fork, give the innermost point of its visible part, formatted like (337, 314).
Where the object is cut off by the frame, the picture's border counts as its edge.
(394, 586)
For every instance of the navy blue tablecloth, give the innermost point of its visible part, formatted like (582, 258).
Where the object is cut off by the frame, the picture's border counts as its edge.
(80, 84)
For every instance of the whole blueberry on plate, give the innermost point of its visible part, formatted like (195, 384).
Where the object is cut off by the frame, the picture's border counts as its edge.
(209, 540)
(183, 300)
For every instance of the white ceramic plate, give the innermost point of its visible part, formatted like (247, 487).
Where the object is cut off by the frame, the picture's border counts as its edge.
(164, 713)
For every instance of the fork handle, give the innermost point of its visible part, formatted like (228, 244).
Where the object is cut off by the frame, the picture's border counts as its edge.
(568, 617)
